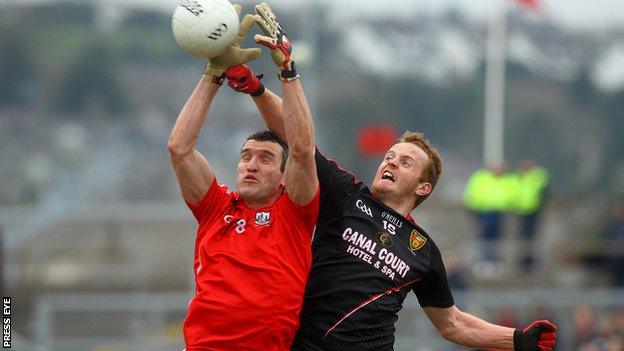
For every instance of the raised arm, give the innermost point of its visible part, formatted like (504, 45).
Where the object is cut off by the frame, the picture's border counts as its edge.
(300, 174)
(467, 330)
(192, 169)
(242, 79)
(270, 106)
(301, 179)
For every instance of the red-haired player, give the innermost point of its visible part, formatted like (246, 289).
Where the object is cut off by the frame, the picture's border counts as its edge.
(368, 253)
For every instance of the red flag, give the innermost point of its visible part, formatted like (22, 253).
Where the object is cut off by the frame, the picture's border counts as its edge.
(534, 5)
(375, 140)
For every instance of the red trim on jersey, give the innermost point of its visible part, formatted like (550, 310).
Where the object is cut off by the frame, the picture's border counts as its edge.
(372, 299)
(355, 177)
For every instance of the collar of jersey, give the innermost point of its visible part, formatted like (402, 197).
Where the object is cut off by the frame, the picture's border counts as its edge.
(238, 203)
(409, 217)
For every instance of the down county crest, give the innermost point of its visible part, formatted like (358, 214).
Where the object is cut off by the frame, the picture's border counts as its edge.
(416, 240)
(263, 218)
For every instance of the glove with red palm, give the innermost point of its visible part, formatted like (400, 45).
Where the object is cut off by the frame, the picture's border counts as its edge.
(275, 39)
(242, 79)
(538, 336)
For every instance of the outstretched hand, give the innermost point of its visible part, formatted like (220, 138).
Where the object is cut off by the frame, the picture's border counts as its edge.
(276, 40)
(233, 55)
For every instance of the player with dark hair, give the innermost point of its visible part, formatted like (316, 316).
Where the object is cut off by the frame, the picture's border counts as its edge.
(252, 252)
(367, 251)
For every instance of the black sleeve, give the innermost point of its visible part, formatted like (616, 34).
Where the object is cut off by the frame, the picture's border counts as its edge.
(433, 290)
(337, 185)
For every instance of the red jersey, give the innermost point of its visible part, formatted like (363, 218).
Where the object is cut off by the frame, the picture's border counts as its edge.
(251, 268)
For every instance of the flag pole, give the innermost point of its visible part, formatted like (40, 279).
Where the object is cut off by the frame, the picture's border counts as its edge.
(494, 124)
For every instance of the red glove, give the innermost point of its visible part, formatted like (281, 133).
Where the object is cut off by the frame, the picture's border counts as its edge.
(241, 78)
(537, 336)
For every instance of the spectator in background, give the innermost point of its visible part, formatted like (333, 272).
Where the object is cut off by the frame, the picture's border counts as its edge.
(615, 244)
(489, 194)
(619, 321)
(532, 181)
(583, 325)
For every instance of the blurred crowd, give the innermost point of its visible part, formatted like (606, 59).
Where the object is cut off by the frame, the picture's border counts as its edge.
(594, 331)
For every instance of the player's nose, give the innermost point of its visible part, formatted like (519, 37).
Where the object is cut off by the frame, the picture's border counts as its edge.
(252, 165)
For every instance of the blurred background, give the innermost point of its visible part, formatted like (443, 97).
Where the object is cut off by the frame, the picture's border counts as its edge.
(97, 245)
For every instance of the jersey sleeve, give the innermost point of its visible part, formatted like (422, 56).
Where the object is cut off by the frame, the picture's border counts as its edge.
(214, 197)
(433, 290)
(336, 184)
(306, 214)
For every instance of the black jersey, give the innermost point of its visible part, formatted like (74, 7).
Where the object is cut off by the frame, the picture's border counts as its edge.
(366, 258)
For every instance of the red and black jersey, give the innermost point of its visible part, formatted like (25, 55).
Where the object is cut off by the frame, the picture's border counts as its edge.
(366, 258)
(251, 268)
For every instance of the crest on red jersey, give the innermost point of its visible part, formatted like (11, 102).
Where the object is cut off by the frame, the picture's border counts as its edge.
(263, 218)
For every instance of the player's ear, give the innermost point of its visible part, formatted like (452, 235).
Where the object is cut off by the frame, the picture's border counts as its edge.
(423, 189)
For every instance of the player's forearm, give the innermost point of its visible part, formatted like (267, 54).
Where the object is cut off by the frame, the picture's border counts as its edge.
(300, 175)
(470, 331)
(192, 118)
(297, 120)
(270, 107)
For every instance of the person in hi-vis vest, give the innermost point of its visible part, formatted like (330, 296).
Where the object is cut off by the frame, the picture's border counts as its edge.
(489, 194)
(531, 189)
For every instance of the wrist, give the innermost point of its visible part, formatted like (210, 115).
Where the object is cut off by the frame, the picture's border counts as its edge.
(517, 340)
(215, 74)
(258, 91)
(289, 73)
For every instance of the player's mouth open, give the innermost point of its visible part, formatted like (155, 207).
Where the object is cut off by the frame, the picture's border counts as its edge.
(387, 175)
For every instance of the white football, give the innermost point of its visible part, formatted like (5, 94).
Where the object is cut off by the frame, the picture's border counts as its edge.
(205, 28)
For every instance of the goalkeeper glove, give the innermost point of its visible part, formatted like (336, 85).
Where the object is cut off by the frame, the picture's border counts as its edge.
(242, 79)
(275, 39)
(233, 55)
(537, 336)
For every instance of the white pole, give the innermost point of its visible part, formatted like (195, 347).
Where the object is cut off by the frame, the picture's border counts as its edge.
(493, 143)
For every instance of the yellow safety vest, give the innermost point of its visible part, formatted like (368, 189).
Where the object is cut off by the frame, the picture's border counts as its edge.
(487, 192)
(531, 185)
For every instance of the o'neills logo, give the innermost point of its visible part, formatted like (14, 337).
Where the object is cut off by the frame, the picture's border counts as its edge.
(263, 218)
(392, 219)
(416, 240)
